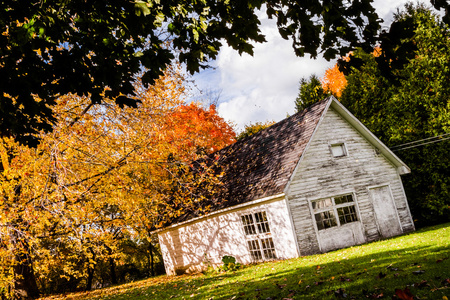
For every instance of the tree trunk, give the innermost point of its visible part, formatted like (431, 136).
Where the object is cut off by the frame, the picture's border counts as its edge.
(25, 286)
(90, 271)
(112, 270)
(152, 263)
(112, 266)
(90, 279)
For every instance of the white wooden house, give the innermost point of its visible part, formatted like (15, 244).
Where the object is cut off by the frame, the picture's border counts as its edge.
(314, 182)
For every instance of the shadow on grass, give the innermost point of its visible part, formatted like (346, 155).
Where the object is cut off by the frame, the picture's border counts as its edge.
(419, 261)
(373, 270)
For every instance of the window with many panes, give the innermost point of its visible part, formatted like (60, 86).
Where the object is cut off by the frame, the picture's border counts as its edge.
(334, 211)
(257, 231)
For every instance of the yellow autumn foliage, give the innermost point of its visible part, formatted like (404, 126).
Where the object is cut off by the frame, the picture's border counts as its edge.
(103, 174)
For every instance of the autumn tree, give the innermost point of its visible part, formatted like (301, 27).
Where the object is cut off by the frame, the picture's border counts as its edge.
(100, 176)
(194, 123)
(334, 81)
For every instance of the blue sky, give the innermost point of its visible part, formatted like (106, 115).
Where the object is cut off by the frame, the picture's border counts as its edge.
(264, 86)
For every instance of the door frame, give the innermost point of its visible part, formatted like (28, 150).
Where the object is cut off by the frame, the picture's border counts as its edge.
(388, 185)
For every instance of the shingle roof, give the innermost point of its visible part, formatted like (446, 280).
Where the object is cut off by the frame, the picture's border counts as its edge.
(261, 165)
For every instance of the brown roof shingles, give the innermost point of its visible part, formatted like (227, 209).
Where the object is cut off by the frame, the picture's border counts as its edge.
(262, 164)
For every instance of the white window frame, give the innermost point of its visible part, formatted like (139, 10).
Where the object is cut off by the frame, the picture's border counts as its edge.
(260, 244)
(334, 208)
(342, 147)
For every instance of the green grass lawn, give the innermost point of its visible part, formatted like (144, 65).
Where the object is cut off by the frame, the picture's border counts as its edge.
(416, 264)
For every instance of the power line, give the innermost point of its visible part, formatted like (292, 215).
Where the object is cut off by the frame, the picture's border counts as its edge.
(419, 143)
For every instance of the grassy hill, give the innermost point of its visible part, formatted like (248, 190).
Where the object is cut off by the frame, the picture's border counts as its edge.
(413, 266)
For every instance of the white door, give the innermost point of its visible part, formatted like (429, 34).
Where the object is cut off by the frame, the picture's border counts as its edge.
(385, 211)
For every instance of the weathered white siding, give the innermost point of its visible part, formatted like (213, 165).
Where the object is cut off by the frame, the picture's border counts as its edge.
(321, 175)
(187, 248)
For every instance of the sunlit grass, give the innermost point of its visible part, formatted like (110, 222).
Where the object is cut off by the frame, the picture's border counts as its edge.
(419, 262)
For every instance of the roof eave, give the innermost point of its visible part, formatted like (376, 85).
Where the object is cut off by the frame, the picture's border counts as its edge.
(244, 205)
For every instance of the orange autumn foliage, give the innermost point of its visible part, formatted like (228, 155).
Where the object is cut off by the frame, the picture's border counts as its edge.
(199, 129)
(334, 81)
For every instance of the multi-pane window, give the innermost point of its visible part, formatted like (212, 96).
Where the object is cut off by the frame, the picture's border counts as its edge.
(257, 231)
(268, 248)
(249, 225)
(334, 211)
(261, 222)
(255, 250)
(325, 219)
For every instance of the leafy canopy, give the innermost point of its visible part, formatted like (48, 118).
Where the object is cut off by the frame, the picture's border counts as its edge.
(50, 48)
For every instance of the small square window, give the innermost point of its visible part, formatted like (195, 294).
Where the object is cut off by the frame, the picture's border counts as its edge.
(338, 150)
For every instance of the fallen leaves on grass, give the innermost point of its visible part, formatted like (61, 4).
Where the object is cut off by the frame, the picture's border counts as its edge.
(391, 268)
(422, 284)
(441, 260)
(404, 294)
(373, 295)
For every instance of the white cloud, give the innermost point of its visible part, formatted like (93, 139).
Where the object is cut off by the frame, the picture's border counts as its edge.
(386, 9)
(264, 86)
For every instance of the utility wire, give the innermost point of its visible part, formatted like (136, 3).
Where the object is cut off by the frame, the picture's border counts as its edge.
(418, 141)
(415, 144)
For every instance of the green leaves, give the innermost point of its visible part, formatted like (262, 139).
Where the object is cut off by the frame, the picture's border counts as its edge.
(331, 28)
(141, 8)
(159, 19)
(402, 96)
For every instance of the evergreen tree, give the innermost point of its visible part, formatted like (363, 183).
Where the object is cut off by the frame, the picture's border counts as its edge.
(413, 107)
